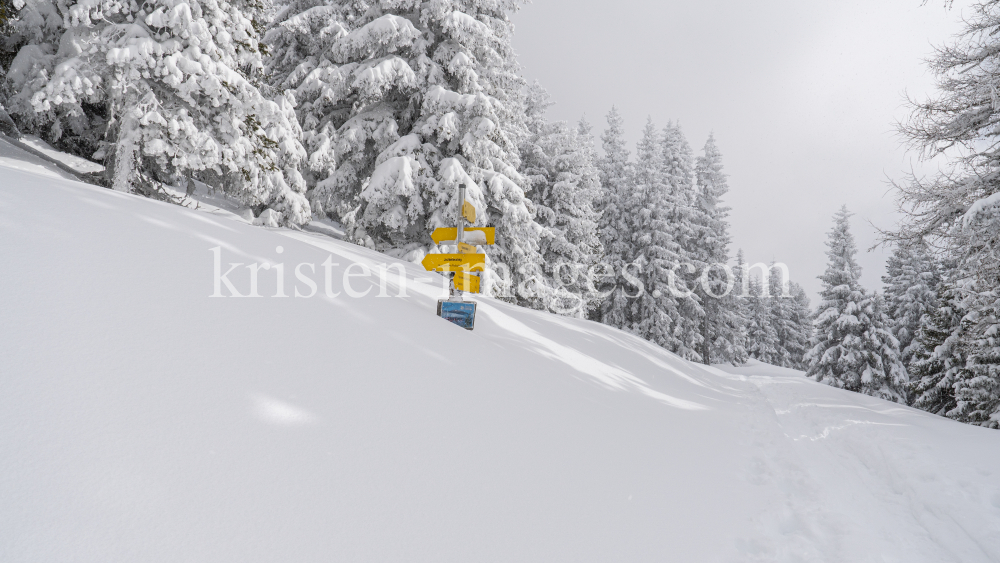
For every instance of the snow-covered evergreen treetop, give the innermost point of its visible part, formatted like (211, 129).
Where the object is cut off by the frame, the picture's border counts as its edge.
(176, 77)
(852, 347)
(401, 101)
(711, 188)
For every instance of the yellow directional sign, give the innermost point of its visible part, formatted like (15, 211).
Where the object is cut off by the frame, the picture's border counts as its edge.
(455, 262)
(469, 212)
(466, 248)
(467, 282)
(471, 234)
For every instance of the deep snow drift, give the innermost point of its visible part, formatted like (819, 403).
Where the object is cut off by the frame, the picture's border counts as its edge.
(142, 420)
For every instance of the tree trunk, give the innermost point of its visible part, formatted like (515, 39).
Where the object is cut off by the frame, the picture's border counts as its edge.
(706, 351)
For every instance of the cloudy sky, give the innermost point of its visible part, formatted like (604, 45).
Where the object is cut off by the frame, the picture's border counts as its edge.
(802, 98)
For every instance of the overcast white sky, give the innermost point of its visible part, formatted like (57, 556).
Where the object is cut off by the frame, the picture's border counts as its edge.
(802, 97)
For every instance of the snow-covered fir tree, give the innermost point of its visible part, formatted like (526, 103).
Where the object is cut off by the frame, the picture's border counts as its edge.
(800, 316)
(558, 161)
(762, 338)
(852, 347)
(617, 281)
(939, 354)
(402, 101)
(779, 313)
(174, 79)
(30, 47)
(679, 210)
(740, 304)
(721, 322)
(977, 386)
(8, 49)
(657, 312)
(790, 318)
(911, 282)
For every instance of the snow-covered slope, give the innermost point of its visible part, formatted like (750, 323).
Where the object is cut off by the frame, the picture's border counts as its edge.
(16, 158)
(73, 161)
(142, 420)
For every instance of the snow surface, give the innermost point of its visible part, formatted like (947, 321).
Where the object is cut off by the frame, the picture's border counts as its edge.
(141, 420)
(16, 158)
(76, 163)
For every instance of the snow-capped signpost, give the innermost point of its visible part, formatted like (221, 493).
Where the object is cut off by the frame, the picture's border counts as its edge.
(455, 309)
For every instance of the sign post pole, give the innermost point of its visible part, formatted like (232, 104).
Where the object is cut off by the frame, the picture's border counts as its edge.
(459, 238)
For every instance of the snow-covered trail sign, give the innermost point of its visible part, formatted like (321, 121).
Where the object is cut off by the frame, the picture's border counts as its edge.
(473, 235)
(465, 281)
(462, 264)
(454, 262)
(468, 212)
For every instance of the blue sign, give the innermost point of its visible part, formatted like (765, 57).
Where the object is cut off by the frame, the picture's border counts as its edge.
(462, 313)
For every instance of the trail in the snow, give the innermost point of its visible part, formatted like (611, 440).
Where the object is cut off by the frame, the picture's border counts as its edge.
(868, 480)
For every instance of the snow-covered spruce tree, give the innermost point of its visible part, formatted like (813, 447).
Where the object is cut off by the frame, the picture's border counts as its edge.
(617, 282)
(956, 354)
(28, 22)
(740, 305)
(401, 101)
(762, 338)
(911, 282)
(687, 220)
(852, 347)
(173, 77)
(656, 312)
(30, 47)
(8, 49)
(686, 227)
(977, 387)
(790, 317)
(721, 320)
(939, 353)
(778, 315)
(800, 317)
(558, 161)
